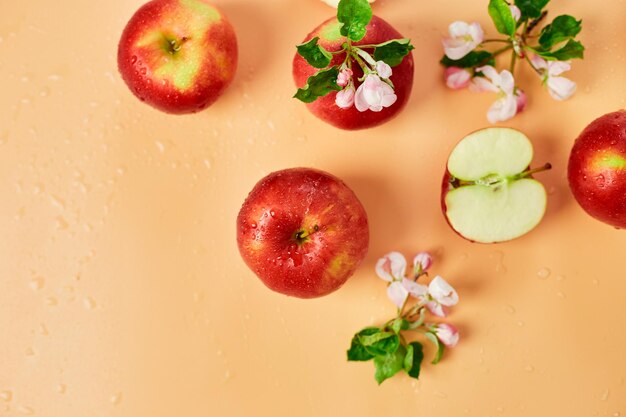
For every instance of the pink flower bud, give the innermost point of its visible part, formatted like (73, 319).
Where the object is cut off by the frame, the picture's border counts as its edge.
(422, 260)
(516, 12)
(457, 78)
(344, 77)
(383, 69)
(520, 96)
(447, 334)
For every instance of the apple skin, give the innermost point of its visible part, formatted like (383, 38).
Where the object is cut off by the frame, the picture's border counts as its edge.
(378, 31)
(597, 169)
(189, 79)
(302, 199)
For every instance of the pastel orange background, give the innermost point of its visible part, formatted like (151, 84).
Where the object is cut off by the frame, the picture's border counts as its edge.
(122, 292)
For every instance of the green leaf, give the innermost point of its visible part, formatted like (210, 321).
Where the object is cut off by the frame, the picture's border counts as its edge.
(355, 16)
(380, 343)
(438, 345)
(389, 364)
(399, 324)
(531, 8)
(412, 362)
(318, 85)
(502, 17)
(314, 53)
(562, 28)
(393, 52)
(357, 351)
(473, 59)
(572, 49)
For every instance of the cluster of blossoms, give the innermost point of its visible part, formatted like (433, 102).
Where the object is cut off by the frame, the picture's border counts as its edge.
(376, 90)
(469, 65)
(437, 297)
(387, 345)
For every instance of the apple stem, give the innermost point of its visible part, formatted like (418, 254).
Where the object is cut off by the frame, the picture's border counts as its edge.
(530, 172)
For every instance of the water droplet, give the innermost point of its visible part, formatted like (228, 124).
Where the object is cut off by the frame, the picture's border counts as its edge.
(560, 294)
(543, 273)
(51, 301)
(560, 277)
(6, 395)
(116, 398)
(61, 388)
(605, 395)
(24, 409)
(160, 146)
(29, 351)
(616, 414)
(441, 394)
(219, 353)
(272, 213)
(520, 323)
(57, 202)
(43, 330)
(510, 309)
(89, 303)
(529, 368)
(500, 267)
(61, 223)
(227, 375)
(595, 282)
(37, 283)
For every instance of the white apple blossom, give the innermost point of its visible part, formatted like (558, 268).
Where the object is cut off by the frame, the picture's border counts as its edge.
(447, 334)
(345, 98)
(392, 268)
(464, 37)
(383, 69)
(374, 94)
(560, 88)
(457, 78)
(503, 83)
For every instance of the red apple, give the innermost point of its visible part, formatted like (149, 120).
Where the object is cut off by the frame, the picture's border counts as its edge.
(378, 31)
(488, 193)
(303, 232)
(178, 55)
(597, 169)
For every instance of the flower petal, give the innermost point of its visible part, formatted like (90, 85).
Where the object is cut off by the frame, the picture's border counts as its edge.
(507, 82)
(561, 88)
(457, 78)
(476, 32)
(397, 293)
(481, 84)
(447, 334)
(415, 289)
(538, 62)
(359, 101)
(436, 308)
(424, 260)
(442, 292)
(502, 109)
(558, 67)
(383, 69)
(391, 267)
(458, 29)
(491, 73)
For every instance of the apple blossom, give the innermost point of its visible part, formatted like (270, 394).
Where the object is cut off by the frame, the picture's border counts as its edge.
(503, 83)
(464, 37)
(516, 12)
(447, 334)
(391, 267)
(344, 77)
(383, 69)
(521, 99)
(560, 88)
(457, 78)
(345, 97)
(374, 94)
(422, 262)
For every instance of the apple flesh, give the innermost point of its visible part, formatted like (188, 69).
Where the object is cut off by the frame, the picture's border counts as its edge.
(597, 169)
(303, 232)
(178, 55)
(488, 194)
(378, 31)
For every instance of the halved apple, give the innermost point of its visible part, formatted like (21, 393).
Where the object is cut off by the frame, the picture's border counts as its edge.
(488, 193)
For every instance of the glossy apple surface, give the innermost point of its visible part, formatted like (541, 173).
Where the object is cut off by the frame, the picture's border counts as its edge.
(597, 169)
(488, 195)
(303, 232)
(378, 31)
(178, 55)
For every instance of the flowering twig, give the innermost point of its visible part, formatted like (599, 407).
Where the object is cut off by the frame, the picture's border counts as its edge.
(470, 64)
(386, 345)
(375, 91)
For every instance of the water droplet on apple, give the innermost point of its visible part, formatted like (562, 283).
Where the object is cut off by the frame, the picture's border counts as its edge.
(272, 213)
(133, 59)
(253, 225)
(543, 273)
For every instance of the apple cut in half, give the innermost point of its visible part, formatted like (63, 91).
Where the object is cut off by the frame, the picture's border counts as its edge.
(488, 193)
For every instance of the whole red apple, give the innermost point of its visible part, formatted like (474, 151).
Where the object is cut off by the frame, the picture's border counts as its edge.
(178, 55)
(303, 232)
(597, 169)
(378, 31)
